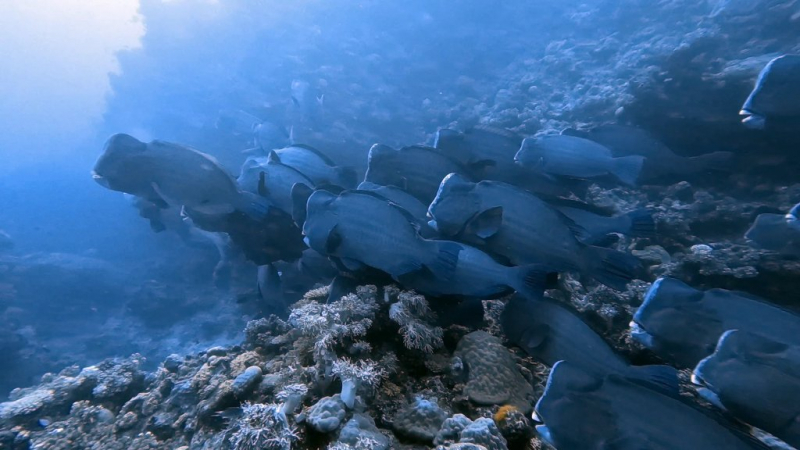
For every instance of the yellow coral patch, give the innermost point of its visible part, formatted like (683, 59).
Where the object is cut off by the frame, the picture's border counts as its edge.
(503, 412)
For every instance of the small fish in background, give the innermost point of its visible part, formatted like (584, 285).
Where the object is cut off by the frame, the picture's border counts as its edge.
(682, 325)
(272, 179)
(363, 230)
(776, 95)
(490, 152)
(574, 157)
(508, 221)
(268, 136)
(660, 160)
(236, 121)
(777, 232)
(755, 379)
(551, 331)
(172, 174)
(581, 410)
(492, 148)
(307, 104)
(263, 240)
(417, 169)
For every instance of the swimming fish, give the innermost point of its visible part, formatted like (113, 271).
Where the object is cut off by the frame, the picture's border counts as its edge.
(660, 160)
(362, 229)
(583, 410)
(417, 170)
(513, 223)
(682, 324)
(575, 157)
(757, 380)
(173, 174)
(776, 95)
(777, 232)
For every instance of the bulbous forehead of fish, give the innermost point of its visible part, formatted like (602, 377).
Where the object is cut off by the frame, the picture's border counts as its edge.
(446, 138)
(568, 378)
(532, 145)
(455, 202)
(768, 227)
(380, 153)
(455, 183)
(736, 342)
(117, 150)
(668, 297)
(319, 202)
(124, 143)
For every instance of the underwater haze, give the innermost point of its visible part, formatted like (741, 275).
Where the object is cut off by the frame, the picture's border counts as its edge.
(254, 224)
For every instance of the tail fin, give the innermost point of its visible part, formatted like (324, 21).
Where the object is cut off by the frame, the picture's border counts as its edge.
(348, 176)
(716, 161)
(530, 280)
(642, 223)
(628, 168)
(341, 286)
(610, 267)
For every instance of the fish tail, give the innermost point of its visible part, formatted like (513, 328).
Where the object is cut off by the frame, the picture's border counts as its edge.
(642, 223)
(530, 280)
(347, 176)
(611, 267)
(628, 168)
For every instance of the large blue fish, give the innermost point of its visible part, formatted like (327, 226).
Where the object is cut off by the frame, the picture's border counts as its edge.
(582, 410)
(682, 324)
(757, 380)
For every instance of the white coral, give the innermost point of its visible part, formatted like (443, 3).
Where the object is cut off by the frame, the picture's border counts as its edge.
(263, 426)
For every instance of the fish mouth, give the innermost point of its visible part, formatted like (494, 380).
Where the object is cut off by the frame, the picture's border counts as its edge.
(705, 389)
(752, 119)
(432, 223)
(640, 335)
(101, 180)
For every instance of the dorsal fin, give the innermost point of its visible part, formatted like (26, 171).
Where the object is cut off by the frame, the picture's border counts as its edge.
(273, 158)
(407, 214)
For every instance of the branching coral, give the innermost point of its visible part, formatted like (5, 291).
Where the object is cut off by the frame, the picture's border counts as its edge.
(329, 324)
(354, 376)
(291, 396)
(363, 443)
(263, 426)
(412, 313)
